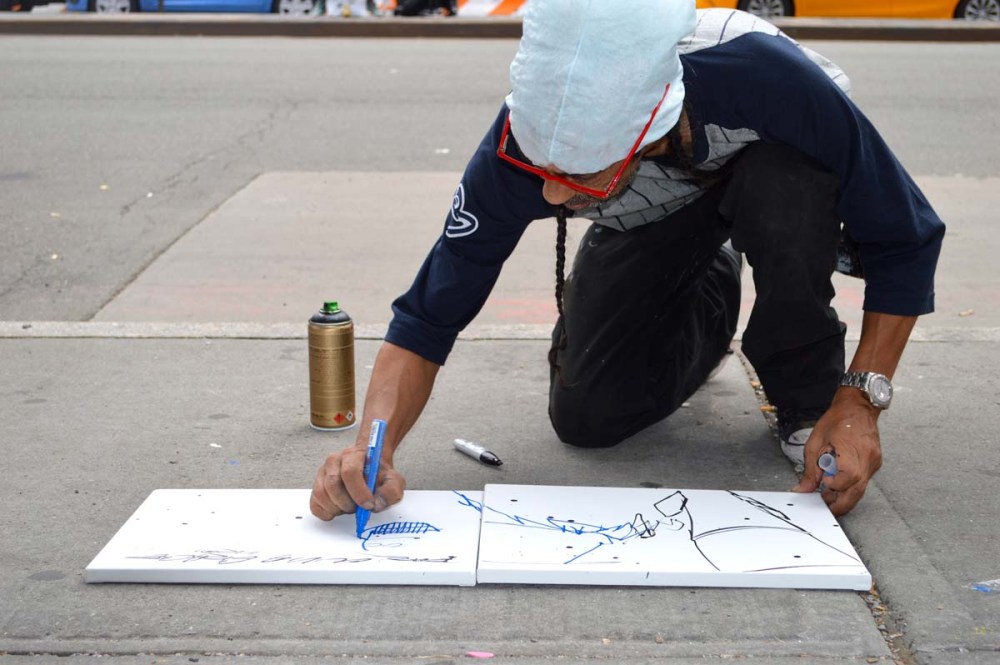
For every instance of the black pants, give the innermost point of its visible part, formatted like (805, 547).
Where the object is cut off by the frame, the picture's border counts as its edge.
(651, 311)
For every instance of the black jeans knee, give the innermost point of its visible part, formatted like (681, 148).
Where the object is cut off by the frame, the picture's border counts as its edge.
(650, 312)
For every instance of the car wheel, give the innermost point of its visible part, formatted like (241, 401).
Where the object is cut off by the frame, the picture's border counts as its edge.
(768, 8)
(114, 6)
(982, 10)
(295, 7)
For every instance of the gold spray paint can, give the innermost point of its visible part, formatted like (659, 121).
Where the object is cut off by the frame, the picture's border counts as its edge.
(331, 369)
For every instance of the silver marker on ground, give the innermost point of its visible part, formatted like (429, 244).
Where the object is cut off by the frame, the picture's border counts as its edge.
(476, 451)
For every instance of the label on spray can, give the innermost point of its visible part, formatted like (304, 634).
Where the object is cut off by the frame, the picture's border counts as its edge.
(331, 369)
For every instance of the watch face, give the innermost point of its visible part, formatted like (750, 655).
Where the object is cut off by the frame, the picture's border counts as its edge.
(880, 390)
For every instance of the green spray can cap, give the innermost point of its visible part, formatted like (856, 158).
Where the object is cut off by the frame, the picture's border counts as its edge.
(331, 313)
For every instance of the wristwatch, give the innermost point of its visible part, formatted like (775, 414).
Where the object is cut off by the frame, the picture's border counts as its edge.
(876, 387)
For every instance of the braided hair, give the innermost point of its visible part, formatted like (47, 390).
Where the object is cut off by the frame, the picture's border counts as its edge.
(683, 157)
(560, 257)
(560, 285)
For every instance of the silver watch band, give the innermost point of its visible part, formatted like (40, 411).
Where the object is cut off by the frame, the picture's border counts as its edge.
(857, 380)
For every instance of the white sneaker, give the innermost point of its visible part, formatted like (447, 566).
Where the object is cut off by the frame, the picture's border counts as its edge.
(794, 429)
(795, 446)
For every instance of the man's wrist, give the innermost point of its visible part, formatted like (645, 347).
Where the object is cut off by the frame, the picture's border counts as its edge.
(849, 397)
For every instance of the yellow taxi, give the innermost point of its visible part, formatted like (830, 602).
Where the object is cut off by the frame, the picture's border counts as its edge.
(967, 9)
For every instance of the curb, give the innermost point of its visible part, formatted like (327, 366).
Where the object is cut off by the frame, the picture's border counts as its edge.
(265, 25)
(257, 25)
(905, 30)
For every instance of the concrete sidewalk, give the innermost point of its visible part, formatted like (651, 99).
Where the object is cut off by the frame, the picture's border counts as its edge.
(92, 425)
(195, 376)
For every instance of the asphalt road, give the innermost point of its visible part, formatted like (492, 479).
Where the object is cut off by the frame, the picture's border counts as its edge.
(114, 147)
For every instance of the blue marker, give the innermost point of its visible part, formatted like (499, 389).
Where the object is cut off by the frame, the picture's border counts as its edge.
(828, 463)
(372, 460)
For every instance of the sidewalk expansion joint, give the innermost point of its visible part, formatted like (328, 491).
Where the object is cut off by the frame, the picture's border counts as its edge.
(297, 330)
(668, 651)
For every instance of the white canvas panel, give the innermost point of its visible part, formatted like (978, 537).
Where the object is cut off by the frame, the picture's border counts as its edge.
(663, 537)
(270, 537)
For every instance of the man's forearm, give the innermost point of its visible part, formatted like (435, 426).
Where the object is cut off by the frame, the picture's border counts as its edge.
(399, 388)
(883, 338)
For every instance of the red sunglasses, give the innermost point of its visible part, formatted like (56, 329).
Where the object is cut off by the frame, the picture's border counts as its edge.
(605, 193)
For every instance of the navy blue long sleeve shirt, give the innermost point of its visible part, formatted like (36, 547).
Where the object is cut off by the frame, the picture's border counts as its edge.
(751, 83)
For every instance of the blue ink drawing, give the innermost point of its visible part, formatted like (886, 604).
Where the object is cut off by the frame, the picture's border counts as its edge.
(392, 534)
(638, 527)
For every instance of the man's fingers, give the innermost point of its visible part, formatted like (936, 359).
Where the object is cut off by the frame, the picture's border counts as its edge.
(806, 485)
(335, 490)
(329, 497)
(390, 489)
(845, 501)
(352, 470)
(324, 512)
(852, 470)
(319, 503)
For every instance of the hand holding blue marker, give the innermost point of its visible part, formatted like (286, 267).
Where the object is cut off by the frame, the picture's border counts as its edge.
(373, 457)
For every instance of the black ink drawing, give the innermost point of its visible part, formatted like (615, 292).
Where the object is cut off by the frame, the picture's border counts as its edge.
(719, 536)
(778, 541)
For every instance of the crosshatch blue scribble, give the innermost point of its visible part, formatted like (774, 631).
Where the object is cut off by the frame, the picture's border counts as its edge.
(391, 528)
(394, 533)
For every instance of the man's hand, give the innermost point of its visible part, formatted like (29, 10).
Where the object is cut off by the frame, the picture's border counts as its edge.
(849, 430)
(397, 392)
(340, 485)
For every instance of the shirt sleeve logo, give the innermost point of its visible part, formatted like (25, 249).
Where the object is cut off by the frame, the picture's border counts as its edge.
(460, 222)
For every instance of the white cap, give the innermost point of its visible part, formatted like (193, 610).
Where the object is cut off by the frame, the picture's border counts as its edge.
(588, 74)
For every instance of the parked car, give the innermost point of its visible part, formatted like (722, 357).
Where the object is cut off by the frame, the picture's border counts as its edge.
(966, 9)
(295, 7)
